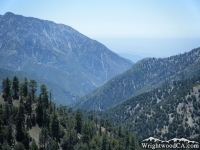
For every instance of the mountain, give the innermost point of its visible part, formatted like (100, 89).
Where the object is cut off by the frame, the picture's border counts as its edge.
(58, 54)
(164, 113)
(143, 76)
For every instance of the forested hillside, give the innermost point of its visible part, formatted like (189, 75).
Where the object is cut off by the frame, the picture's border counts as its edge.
(29, 121)
(145, 75)
(167, 112)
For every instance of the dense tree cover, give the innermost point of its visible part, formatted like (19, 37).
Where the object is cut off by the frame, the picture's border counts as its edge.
(60, 127)
(167, 112)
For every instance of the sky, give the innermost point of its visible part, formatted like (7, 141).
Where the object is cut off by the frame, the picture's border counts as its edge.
(158, 28)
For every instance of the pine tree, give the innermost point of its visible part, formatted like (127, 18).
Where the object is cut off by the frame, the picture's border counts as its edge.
(32, 88)
(69, 140)
(25, 87)
(6, 85)
(104, 145)
(29, 104)
(54, 127)
(120, 131)
(33, 120)
(92, 129)
(1, 127)
(15, 88)
(79, 121)
(21, 91)
(50, 103)
(26, 140)
(85, 133)
(45, 118)
(6, 113)
(44, 95)
(31, 95)
(39, 112)
(9, 131)
(20, 122)
(28, 123)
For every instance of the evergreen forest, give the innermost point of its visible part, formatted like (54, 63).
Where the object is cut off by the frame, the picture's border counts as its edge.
(31, 121)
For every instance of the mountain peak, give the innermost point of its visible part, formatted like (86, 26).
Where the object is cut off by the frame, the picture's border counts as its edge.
(9, 14)
(57, 53)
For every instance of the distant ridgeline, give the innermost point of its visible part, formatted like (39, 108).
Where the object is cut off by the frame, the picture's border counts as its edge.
(143, 76)
(167, 112)
(31, 122)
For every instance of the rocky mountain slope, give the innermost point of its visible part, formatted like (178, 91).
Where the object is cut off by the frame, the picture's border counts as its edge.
(58, 54)
(167, 112)
(143, 76)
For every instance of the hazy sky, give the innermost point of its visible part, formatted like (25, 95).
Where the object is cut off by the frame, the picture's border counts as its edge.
(143, 27)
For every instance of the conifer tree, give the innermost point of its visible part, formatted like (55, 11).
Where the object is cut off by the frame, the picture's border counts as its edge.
(1, 127)
(28, 123)
(44, 95)
(6, 113)
(21, 91)
(26, 140)
(25, 87)
(55, 127)
(79, 121)
(85, 133)
(6, 85)
(92, 129)
(32, 90)
(104, 145)
(29, 104)
(32, 87)
(39, 112)
(20, 120)
(15, 88)
(45, 118)
(9, 131)
(69, 140)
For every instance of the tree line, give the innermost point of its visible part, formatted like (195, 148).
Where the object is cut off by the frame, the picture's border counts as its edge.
(60, 127)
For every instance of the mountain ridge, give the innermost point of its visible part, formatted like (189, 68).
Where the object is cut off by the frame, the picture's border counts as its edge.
(166, 112)
(57, 53)
(145, 75)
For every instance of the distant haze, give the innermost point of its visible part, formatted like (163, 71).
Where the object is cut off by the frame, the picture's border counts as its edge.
(151, 47)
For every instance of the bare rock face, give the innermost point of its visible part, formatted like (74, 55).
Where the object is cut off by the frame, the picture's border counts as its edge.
(58, 54)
